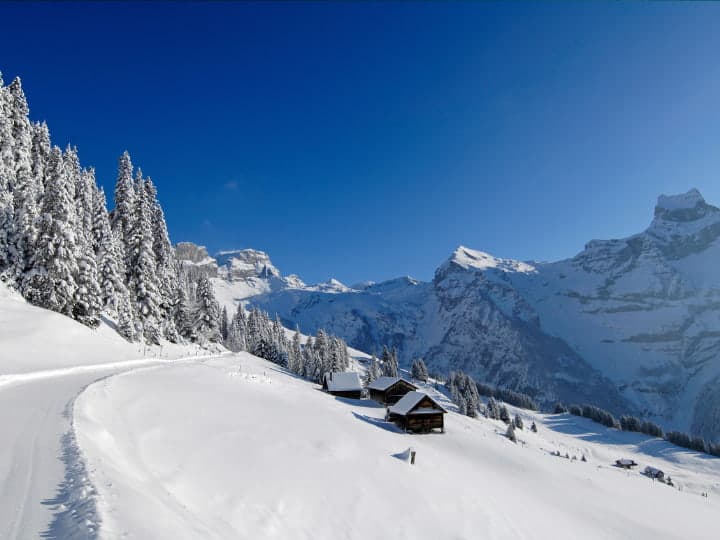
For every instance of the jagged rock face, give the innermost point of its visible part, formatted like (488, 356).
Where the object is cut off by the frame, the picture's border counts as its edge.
(195, 261)
(242, 264)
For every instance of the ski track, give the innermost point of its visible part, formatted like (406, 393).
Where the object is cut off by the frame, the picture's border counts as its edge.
(44, 487)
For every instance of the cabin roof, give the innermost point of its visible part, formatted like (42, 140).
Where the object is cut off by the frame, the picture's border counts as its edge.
(625, 461)
(410, 400)
(383, 383)
(343, 381)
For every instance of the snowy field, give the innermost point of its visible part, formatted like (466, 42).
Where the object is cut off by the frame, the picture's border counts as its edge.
(234, 447)
(46, 360)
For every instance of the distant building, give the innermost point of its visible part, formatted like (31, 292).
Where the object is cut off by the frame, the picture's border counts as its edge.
(343, 384)
(417, 412)
(625, 463)
(389, 390)
(652, 472)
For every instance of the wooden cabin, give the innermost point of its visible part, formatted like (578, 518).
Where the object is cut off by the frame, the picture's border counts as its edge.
(625, 463)
(343, 384)
(654, 473)
(417, 412)
(389, 390)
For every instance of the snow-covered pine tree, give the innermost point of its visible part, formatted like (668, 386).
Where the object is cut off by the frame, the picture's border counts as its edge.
(504, 414)
(510, 433)
(206, 313)
(181, 313)
(26, 192)
(224, 324)
(322, 351)
(50, 283)
(518, 421)
(111, 273)
(123, 215)
(389, 362)
(238, 331)
(7, 185)
(40, 156)
(88, 297)
(296, 356)
(167, 268)
(419, 370)
(373, 370)
(142, 277)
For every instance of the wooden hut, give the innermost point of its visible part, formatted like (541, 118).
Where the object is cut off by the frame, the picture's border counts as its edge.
(389, 390)
(625, 463)
(417, 412)
(343, 384)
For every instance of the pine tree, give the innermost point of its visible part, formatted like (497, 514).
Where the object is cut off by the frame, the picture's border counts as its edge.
(296, 355)
(206, 314)
(518, 421)
(224, 324)
(51, 281)
(26, 192)
(142, 276)
(373, 371)
(111, 273)
(419, 370)
(7, 185)
(510, 433)
(167, 270)
(533, 428)
(504, 414)
(88, 297)
(237, 332)
(125, 209)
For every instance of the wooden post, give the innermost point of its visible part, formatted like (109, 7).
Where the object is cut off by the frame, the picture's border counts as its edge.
(412, 457)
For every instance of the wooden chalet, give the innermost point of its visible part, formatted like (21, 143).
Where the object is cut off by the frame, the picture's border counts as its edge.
(625, 463)
(343, 384)
(417, 412)
(389, 390)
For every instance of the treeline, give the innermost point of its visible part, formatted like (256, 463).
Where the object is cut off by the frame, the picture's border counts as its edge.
(517, 399)
(634, 424)
(465, 393)
(63, 250)
(257, 334)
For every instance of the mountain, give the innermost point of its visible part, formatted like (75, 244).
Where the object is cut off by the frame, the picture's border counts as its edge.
(630, 324)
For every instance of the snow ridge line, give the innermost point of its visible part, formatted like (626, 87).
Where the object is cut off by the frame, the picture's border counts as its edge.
(19, 378)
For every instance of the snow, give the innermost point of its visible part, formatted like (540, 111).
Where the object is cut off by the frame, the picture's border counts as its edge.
(237, 448)
(342, 382)
(408, 401)
(676, 202)
(46, 359)
(470, 258)
(385, 382)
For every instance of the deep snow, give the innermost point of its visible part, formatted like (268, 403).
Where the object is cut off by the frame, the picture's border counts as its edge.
(46, 359)
(238, 448)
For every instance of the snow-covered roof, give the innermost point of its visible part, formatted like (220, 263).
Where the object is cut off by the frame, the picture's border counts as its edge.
(410, 401)
(384, 382)
(343, 381)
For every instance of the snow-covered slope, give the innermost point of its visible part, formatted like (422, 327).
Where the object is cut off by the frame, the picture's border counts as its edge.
(46, 359)
(237, 448)
(630, 324)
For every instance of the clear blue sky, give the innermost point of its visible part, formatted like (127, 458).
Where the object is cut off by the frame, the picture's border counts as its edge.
(368, 140)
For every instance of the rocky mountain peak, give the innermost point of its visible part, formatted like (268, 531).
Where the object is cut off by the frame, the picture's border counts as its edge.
(683, 207)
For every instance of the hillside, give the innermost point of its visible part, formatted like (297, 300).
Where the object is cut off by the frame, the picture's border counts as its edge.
(628, 324)
(259, 453)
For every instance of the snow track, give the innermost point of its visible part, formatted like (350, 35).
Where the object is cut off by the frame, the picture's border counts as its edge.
(44, 488)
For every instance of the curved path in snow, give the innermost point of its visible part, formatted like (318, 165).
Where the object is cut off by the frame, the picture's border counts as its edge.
(35, 417)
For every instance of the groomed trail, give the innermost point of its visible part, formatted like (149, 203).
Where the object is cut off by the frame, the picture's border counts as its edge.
(38, 448)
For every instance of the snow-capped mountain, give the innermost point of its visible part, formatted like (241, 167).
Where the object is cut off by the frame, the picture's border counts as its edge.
(629, 324)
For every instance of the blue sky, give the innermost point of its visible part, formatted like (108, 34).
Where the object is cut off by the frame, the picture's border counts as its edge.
(368, 140)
